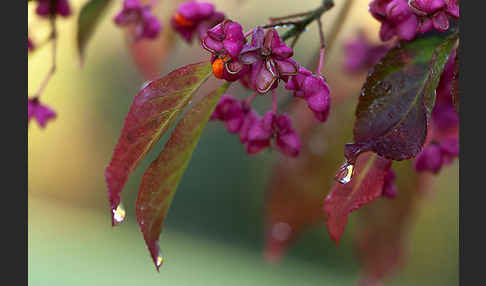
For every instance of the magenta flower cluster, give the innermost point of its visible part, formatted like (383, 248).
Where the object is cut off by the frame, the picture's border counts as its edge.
(445, 120)
(46, 8)
(361, 54)
(225, 42)
(270, 60)
(405, 19)
(194, 17)
(260, 65)
(41, 113)
(435, 155)
(134, 13)
(314, 90)
(256, 132)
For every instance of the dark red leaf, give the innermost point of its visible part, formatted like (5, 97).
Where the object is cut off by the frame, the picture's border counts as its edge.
(153, 111)
(160, 180)
(366, 185)
(397, 98)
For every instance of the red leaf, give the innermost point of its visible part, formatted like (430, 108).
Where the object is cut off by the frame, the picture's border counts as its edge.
(153, 111)
(365, 186)
(162, 177)
(382, 236)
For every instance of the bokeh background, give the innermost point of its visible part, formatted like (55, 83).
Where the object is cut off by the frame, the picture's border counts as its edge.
(213, 234)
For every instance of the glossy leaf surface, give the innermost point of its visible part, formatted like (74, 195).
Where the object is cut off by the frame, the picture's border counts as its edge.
(89, 18)
(365, 186)
(397, 99)
(153, 111)
(160, 180)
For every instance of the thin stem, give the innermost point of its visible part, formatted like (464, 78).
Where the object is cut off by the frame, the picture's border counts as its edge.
(274, 101)
(294, 41)
(323, 47)
(336, 28)
(280, 24)
(248, 33)
(39, 45)
(321, 61)
(52, 70)
(251, 97)
(321, 33)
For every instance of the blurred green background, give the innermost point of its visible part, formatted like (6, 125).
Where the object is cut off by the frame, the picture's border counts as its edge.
(213, 234)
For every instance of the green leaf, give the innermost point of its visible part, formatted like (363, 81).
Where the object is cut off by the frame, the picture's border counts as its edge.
(89, 18)
(153, 111)
(398, 97)
(160, 180)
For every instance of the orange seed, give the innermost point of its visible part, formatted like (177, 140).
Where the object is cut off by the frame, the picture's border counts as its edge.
(181, 21)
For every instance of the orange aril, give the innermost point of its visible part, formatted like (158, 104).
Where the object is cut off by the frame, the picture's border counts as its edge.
(181, 21)
(218, 67)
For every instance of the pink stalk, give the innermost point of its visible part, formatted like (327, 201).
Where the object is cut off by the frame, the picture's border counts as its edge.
(274, 101)
(321, 61)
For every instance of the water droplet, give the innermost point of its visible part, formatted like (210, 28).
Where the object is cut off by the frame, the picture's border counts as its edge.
(119, 215)
(160, 259)
(144, 85)
(345, 173)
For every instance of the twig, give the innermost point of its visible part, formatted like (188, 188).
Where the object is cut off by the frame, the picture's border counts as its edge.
(250, 98)
(274, 101)
(323, 47)
(280, 24)
(294, 41)
(321, 33)
(52, 70)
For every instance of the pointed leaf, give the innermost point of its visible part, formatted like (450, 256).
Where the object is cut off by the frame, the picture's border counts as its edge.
(153, 111)
(398, 97)
(89, 17)
(160, 181)
(365, 186)
(382, 236)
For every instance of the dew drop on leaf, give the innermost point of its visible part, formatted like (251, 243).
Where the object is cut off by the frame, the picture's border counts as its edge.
(345, 173)
(160, 259)
(119, 215)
